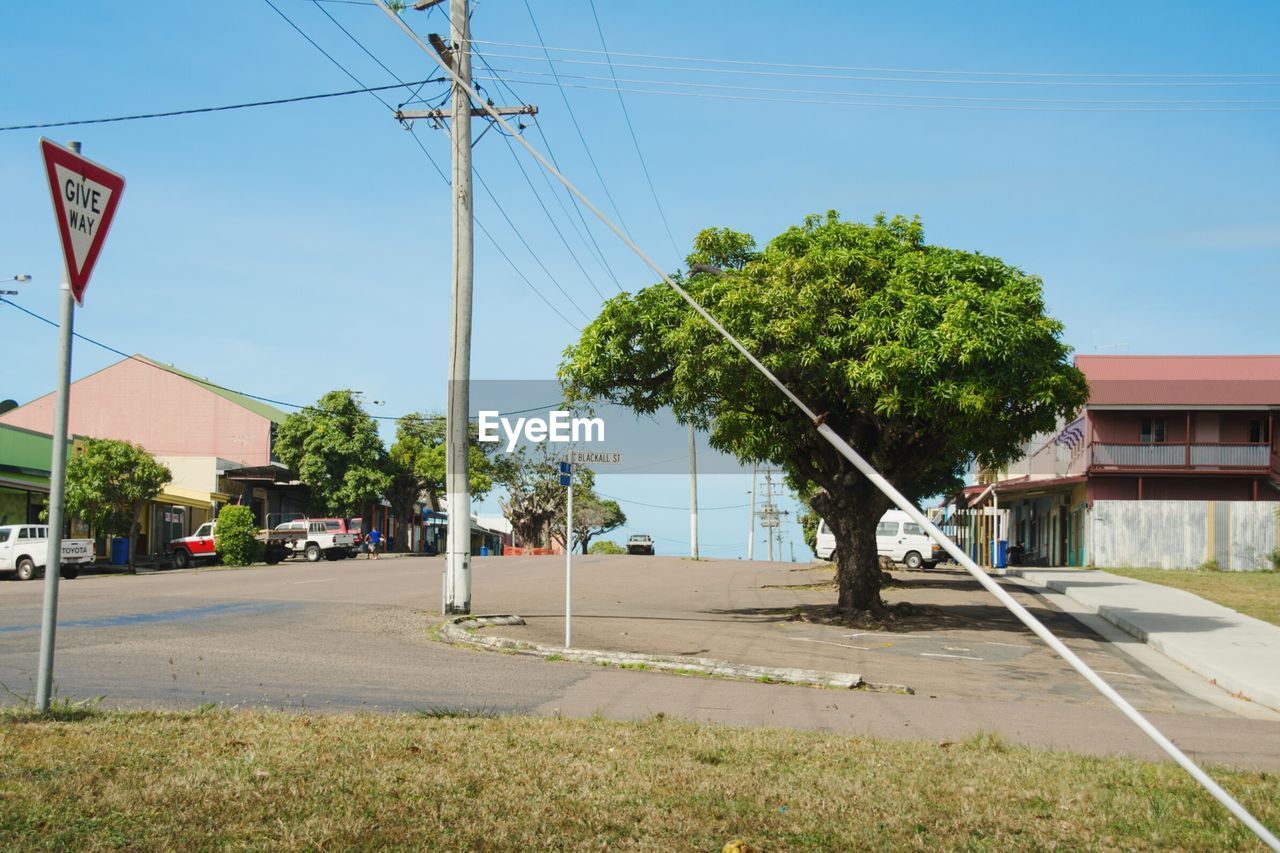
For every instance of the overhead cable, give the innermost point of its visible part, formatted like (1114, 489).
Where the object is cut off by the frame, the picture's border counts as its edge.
(1273, 76)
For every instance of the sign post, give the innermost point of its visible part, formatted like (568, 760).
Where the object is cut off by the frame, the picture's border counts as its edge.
(566, 480)
(85, 197)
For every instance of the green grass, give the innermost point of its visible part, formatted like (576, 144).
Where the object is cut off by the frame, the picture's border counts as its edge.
(1255, 594)
(223, 779)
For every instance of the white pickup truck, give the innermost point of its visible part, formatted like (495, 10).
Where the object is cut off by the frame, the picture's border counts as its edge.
(24, 548)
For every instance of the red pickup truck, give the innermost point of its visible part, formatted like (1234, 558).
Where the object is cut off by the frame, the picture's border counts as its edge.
(197, 546)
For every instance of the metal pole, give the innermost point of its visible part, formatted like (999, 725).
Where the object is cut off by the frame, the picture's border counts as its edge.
(568, 566)
(751, 519)
(57, 493)
(768, 501)
(457, 485)
(693, 495)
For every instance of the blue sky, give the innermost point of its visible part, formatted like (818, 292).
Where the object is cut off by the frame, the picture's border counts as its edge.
(289, 250)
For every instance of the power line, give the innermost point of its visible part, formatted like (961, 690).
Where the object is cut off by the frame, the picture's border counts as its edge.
(492, 241)
(421, 147)
(574, 119)
(326, 53)
(537, 195)
(598, 256)
(214, 385)
(634, 141)
(661, 506)
(883, 70)
(908, 96)
(894, 105)
(247, 105)
(484, 184)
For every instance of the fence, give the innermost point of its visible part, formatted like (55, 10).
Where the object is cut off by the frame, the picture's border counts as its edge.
(1237, 535)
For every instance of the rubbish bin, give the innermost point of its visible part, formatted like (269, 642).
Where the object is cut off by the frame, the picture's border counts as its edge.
(120, 551)
(484, 550)
(1001, 555)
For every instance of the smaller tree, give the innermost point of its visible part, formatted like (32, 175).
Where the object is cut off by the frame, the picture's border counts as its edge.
(236, 541)
(109, 483)
(593, 516)
(534, 495)
(606, 546)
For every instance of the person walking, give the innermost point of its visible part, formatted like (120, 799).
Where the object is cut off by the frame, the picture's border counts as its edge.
(375, 540)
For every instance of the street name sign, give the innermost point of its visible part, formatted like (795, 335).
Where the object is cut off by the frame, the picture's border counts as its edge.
(85, 197)
(595, 457)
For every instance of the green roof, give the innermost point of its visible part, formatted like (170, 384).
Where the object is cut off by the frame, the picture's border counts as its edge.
(258, 407)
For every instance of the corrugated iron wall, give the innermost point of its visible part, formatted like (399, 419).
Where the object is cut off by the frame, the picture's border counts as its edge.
(1239, 535)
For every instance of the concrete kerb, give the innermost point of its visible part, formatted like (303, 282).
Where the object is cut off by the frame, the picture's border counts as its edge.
(461, 631)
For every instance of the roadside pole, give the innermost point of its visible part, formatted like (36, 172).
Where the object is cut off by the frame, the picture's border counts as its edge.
(693, 495)
(456, 58)
(751, 519)
(457, 484)
(57, 494)
(85, 197)
(566, 479)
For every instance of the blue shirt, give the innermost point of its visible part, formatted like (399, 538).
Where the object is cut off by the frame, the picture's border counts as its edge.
(374, 536)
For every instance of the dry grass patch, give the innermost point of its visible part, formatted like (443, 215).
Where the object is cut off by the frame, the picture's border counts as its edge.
(1255, 594)
(223, 779)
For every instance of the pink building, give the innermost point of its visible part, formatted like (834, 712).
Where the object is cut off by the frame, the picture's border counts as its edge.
(166, 411)
(216, 442)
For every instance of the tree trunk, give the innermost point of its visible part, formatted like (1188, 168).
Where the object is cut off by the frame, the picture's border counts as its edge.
(852, 517)
(133, 541)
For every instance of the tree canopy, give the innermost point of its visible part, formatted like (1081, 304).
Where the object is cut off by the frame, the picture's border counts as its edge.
(924, 357)
(335, 449)
(108, 484)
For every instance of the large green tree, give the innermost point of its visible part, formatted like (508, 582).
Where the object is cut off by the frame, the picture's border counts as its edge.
(108, 484)
(923, 357)
(416, 465)
(335, 449)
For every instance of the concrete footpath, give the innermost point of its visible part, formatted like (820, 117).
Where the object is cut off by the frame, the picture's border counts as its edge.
(1238, 653)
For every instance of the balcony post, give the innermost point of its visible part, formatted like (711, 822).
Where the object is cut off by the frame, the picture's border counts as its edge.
(1187, 439)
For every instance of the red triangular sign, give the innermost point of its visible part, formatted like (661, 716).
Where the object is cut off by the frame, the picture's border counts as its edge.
(85, 196)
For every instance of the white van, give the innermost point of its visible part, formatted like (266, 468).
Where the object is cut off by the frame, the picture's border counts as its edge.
(897, 537)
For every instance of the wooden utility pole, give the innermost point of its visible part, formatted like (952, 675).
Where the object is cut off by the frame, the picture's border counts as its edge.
(457, 55)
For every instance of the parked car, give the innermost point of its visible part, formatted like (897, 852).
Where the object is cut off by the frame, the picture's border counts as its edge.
(354, 526)
(198, 546)
(640, 543)
(313, 538)
(24, 549)
(897, 537)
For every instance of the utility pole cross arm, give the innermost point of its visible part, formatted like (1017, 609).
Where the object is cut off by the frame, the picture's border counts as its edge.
(525, 110)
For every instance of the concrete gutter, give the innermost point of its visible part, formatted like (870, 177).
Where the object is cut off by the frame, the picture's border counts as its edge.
(461, 631)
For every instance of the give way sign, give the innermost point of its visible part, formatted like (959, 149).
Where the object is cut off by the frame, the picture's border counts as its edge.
(85, 197)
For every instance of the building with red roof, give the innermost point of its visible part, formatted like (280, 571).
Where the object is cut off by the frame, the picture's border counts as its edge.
(1174, 461)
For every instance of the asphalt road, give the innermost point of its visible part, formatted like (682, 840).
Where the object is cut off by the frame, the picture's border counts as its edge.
(352, 635)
